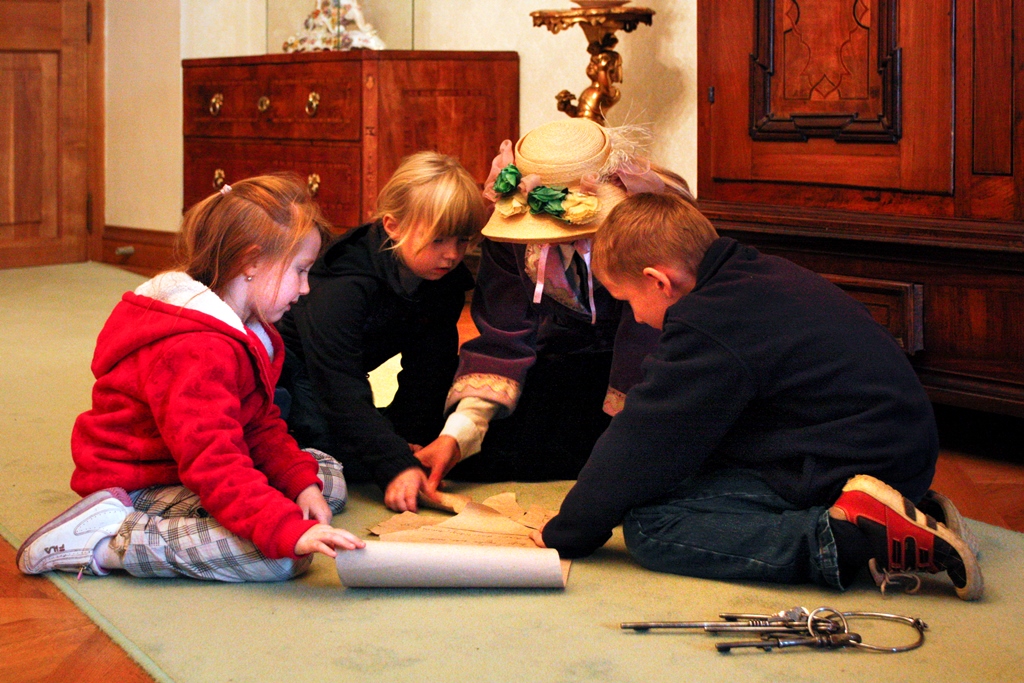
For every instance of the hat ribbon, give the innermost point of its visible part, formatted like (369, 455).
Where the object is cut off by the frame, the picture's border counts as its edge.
(637, 178)
(506, 157)
(582, 248)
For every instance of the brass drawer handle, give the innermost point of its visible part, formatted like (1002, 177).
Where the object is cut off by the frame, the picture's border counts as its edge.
(313, 184)
(312, 103)
(263, 104)
(218, 178)
(216, 102)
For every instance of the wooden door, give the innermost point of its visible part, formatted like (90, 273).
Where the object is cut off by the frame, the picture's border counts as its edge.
(44, 143)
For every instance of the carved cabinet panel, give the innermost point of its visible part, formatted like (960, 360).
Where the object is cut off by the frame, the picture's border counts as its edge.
(880, 143)
(826, 69)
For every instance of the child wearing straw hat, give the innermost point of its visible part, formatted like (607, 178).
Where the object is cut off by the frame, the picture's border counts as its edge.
(556, 353)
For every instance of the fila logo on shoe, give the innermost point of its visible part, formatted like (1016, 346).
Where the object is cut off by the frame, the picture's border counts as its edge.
(54, 549)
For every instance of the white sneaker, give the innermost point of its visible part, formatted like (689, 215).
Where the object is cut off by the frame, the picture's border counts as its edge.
(67, 541)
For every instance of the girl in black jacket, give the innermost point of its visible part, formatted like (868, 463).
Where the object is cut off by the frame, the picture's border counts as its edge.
(396, 285)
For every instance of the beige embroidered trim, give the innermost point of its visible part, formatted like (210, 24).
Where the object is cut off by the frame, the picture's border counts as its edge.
(614, 400)
(497, 388)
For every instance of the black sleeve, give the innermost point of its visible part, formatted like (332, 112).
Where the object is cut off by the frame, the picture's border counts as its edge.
(430, 354)
(671, 422)
(331, 327)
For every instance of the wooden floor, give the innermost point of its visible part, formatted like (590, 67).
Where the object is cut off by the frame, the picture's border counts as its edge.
(44, 637)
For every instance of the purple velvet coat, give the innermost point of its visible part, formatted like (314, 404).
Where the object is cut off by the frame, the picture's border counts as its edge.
(515, 331)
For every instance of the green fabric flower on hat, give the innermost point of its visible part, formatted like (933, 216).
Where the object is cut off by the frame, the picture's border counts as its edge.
(544, 199)
(507, 180)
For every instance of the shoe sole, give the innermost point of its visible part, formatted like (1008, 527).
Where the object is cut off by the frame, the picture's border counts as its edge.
(73, 511)
(896, 503)
(953, 520)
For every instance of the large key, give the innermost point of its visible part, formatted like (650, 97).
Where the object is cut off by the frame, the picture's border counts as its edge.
(790, 621)
(831, 641)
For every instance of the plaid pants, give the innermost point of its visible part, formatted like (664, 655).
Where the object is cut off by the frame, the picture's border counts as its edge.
(170, 534)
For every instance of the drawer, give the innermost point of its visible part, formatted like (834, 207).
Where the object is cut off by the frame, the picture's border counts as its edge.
(302, 101)
(334, 168)
(222, 101)
(896, 306)
(314, 101)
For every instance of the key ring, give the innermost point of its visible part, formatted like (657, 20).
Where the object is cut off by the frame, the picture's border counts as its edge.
(838, 616)
(842, 617)
(913, 622)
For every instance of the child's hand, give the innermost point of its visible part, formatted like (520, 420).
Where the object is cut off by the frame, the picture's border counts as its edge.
(313, 505)
(537, 536)
(439, 456)
(323, 538)
(401, 493)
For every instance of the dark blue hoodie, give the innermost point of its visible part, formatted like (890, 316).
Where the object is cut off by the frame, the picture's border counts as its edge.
(764, 366)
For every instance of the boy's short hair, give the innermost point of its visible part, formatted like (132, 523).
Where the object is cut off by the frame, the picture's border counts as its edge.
(649, 229)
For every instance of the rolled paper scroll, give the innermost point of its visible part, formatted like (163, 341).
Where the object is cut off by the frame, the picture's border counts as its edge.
(430, 565)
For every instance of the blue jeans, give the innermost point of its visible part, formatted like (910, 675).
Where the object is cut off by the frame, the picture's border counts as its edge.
(730, 525)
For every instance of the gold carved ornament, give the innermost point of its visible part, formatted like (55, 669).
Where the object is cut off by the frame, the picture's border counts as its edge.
(599, 24)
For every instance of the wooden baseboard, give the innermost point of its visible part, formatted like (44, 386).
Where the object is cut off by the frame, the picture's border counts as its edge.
(146, 252)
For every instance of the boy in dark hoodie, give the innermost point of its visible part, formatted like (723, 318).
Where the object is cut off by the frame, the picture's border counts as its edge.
(778, 434)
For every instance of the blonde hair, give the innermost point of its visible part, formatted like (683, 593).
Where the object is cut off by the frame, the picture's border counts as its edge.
(432, 191)
(265, 217)
(649, 229)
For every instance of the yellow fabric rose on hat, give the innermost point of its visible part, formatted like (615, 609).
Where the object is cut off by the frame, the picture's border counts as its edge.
(580, 208)
(512, 205)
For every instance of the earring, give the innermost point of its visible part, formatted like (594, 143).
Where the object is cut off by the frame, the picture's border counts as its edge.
(248, 278)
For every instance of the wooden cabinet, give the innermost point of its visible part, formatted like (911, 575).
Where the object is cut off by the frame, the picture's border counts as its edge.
(343, 120)
(880, 143)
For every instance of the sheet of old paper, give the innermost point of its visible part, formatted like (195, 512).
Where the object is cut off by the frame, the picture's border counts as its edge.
(475, 549)
(446, 502)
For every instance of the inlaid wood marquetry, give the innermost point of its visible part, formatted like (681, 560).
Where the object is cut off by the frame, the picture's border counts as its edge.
(826, 69)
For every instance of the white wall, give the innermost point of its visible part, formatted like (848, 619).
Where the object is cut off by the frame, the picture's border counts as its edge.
(223, 28)
(143, 136)
(146, 42)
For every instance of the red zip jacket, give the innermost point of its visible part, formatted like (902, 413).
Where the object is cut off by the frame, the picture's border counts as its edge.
(184, 395)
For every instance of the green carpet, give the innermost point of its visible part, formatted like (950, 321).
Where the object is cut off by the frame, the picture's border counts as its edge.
(313, 629)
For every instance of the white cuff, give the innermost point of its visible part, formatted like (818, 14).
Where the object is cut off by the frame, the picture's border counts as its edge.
(468, 424)
(462, 429)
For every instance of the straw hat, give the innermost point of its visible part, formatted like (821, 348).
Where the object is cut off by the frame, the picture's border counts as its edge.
(559, 154)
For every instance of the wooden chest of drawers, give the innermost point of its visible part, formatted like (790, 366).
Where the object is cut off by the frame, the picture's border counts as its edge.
(343, 120)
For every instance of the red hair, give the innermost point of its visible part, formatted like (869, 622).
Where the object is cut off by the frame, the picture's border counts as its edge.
(265, 217)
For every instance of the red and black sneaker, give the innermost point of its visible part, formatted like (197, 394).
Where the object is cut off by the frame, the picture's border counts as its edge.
(906, 539)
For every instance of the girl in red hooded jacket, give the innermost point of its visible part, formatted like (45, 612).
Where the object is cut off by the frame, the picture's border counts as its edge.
(184, 462)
